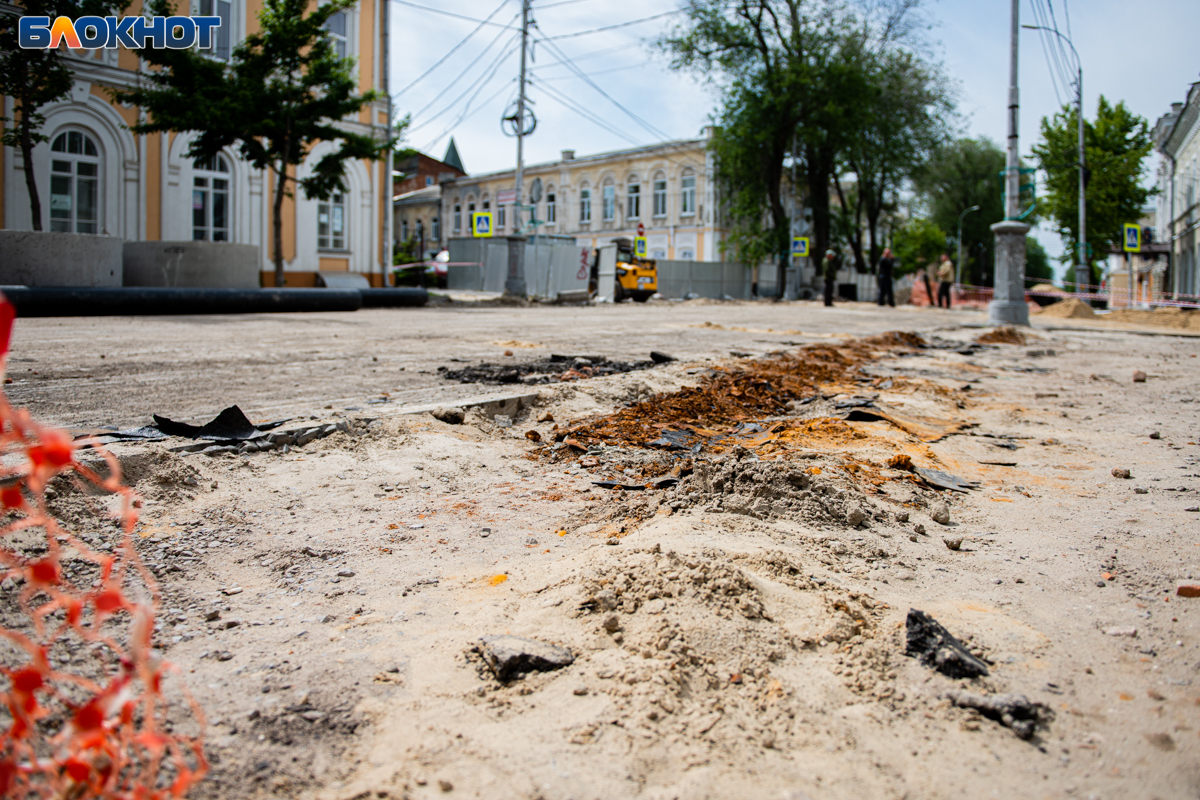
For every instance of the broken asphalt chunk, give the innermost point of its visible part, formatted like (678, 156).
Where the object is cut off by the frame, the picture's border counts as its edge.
(1015, 711)
(936, 647)
(944, 480)
(510, 657)
(230, 424)
(661, 358)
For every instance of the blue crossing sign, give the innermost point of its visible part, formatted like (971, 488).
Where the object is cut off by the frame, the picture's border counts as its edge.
(639, 247)
(800, 246)
(1133, 238)
(481, 224)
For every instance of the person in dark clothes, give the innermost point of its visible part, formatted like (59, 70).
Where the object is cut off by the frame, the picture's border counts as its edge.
(945, 275)
(886, 270)
(829, 268)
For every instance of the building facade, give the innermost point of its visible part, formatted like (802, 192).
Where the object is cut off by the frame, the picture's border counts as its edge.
(668, 188)
(96, 177)
(1177, 139)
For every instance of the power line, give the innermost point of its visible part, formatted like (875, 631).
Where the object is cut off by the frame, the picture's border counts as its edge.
(452, 14)
(552, 5)
(466, 115)
(613, 27)
(583, 111)
(453, 50)
(460, 75)
(493, 67)
(601, 72)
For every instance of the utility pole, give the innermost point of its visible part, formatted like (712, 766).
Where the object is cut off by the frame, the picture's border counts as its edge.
(515, 284)
(389, 164)
(1008, 299)
(1083, 270)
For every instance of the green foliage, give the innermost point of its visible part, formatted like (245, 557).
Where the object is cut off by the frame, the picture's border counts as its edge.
(961, 174)
(36, 78)
(1116, 145)
(284, 90)
(917, 244)
(1037, 263)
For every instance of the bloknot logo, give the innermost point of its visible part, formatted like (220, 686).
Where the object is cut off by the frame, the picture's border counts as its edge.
(135, 33)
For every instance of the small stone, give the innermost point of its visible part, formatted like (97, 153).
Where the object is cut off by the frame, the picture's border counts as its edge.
(941, 514)
(1101, 584)
(345, 573)
(855, 517)
(901, 516)
(1139, 376)
(450, 416)
(1121, 630)
(612, 541)
(953, 544)
(913, 538)
(533, 436)
(579, 691)
(1119, 472)
(918, 528)
(1188, 589)
(531, 541)
(1140, 490)
(545, 416)
(510, 656)
(1155, 435)
(502, 421)
(612, 623)
(445, 785)
(212, 616)
(1193, 509)
(313, 716)
(328, 618)
(224, 655)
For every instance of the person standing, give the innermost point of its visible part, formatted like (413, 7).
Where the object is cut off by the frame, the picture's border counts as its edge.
(945, 275)
(886, 270)
(829, 268)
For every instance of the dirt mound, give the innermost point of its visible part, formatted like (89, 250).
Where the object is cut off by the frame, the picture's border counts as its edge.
(549, 370)
(1005, 334)
(1071, 308)
(1161, 317)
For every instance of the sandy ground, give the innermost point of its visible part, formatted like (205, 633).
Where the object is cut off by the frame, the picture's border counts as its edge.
(741, 634)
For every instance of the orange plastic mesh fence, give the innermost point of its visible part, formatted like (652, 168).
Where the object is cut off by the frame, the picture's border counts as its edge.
(99, 728)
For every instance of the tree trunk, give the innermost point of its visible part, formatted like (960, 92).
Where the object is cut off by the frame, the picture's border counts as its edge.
(35, 202)
(277, 217)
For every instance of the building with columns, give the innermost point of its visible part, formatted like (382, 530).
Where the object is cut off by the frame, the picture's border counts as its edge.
(1177, 139)
(96, 177)
(668, 188)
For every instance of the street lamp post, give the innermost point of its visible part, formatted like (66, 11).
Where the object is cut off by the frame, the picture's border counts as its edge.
(1082, 272)
(958, 272)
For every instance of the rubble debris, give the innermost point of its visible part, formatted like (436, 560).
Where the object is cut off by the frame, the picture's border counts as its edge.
(1188, 590)
(1120, 472)
(1014, 711)
(533, 436)
(510, 657)
(901, 461)
(927, 429)
(1005, 334)
(1139, 376)
(230, 425)
(940, 514)
(1155, 435)
(944, 480)
(554, 369)
(953, 544)
(661, 358)
(936, 647)
(450, 416)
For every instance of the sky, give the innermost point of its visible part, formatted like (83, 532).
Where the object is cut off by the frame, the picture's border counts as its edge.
(1142, 53)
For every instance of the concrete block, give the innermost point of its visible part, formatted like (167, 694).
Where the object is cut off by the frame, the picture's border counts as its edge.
(191, 265)
(44, 258)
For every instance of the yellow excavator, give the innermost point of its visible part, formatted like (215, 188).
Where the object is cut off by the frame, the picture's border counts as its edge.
(635, 277)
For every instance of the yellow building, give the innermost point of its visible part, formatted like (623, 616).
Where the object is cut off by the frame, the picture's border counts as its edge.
(668, 188)
(96, 177)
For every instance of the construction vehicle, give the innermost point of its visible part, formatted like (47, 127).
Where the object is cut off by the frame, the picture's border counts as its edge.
(632, 276)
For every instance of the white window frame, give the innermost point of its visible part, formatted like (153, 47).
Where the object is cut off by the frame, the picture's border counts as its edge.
(343, 39)
(436, 229)
(687, 195)
(226, 37)
(205, 174)
(585, 205)
(633, 199)
(65, 166)
(608, 202)
(660, 195)
(335, 205)
(500, 217)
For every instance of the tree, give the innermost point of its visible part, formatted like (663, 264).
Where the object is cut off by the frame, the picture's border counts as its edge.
(961, 174)
(1116, 145)
(1037, 262)
(284, 89)
(794, 81)
(36, 78)
(917, 244)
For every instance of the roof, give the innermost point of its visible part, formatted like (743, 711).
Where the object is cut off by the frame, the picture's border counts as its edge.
(677, 144)
(1172, 129)
(452, 158)
(428, 194)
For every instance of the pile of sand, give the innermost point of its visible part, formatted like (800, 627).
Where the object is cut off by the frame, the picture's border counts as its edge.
(1071, 308)
(1183, 319)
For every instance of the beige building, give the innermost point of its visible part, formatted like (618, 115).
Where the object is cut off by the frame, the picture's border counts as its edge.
(668, 188)
(1177, 139)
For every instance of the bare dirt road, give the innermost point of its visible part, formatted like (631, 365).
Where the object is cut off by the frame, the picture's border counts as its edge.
(735, 621)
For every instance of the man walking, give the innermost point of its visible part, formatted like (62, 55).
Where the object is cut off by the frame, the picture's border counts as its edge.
(885, 270)
(945, 275)
(829, 268)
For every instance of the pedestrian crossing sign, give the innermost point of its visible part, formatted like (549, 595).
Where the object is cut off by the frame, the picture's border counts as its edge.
(639, 247)
(1133, 238)
(481, 224)
(800, 246)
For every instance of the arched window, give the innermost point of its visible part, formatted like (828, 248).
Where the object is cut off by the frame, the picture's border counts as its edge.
(457, 217)
(633, 198)
(585, 205)
(660, 195)
(609, 201)
(210, 199)
(687, 200)
(74, 184)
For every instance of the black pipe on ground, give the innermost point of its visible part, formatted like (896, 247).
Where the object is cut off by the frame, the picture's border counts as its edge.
(37, 301)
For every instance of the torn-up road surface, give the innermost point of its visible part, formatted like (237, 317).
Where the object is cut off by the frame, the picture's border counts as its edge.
(410, 608)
